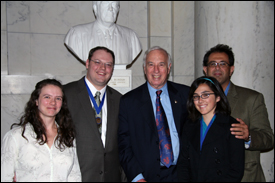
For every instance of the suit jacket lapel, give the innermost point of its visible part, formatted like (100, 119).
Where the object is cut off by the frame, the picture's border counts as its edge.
(147, 109)
(175, 100)
(232, 96)
(193, 135)
(111, 122)
(89, 112)
(216, 130)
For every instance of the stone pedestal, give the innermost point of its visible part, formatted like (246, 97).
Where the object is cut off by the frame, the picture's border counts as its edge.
(121, 79)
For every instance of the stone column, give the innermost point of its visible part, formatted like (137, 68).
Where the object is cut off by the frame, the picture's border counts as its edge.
(183, 41)
(159, 27)
(171, 26)
(247, 27)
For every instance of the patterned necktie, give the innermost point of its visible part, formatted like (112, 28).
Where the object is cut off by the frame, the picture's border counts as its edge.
(165, 146)
(98, 117)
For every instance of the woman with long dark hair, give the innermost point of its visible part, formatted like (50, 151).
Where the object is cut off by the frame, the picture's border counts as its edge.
(209, 152)
(41, 147)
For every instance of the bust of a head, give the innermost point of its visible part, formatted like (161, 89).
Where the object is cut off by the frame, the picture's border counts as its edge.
(106, 11)
(104, 31)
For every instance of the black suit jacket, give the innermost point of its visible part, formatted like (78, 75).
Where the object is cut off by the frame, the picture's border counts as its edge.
(96, 162)
(138, 136)
(222, 155)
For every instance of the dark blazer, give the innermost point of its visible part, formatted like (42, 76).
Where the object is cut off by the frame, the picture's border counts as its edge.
(137, 134)
(249, 105)
(221, 158)
(96, 162)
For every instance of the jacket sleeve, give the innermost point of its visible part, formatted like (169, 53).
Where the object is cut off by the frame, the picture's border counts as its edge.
(262, 137)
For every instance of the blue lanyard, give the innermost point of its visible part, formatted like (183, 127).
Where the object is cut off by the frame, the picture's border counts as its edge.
(97, 108)
(202, 136)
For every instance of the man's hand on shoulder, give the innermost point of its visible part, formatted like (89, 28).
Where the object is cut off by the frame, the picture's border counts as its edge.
(240, 130)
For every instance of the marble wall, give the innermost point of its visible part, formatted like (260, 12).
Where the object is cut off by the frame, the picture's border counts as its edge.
(32, 47)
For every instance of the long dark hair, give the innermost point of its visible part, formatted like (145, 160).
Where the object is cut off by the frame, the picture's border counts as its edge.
(222, 106)
(66, 130)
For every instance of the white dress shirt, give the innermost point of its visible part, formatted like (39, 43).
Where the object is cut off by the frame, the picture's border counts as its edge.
(36, 163)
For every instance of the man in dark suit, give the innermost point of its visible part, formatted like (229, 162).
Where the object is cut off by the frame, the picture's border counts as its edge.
(247, 106)
(140, 150)
(96, 139)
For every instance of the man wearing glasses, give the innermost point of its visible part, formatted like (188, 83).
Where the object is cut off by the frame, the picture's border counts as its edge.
(247, 106)
(94, 108)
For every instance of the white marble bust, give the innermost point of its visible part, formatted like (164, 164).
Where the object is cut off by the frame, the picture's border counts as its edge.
(104, 32)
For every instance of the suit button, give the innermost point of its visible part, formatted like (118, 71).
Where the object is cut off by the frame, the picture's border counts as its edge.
(219, 172)
(158, 159)
(217, 161)
(158, 175)
(100, 172)
(215, 150)
(157, 142)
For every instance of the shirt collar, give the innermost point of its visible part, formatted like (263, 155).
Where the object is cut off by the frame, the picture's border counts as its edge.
(227, 88)
(152, 90)
(94, 90)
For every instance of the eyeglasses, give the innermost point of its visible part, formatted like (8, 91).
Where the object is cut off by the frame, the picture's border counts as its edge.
(221, 64)
(99, 63)
(203, 96)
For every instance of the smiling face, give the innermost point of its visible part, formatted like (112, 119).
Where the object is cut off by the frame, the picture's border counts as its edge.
(156, 68)
(50, 101)
(222, 74)
(208, 105)
(99, 74)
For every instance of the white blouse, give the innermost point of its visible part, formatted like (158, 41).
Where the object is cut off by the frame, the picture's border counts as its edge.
(36, 163)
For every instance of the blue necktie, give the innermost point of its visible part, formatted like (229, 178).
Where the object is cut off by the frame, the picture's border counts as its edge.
(165, 146)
